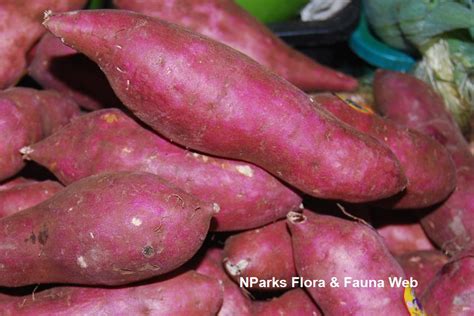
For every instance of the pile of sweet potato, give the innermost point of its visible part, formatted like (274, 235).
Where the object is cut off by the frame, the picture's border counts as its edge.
(201, 177)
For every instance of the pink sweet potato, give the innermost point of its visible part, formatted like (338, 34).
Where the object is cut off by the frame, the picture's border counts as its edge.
(187, 294)
(403, 238)
(111, 229)
(23, 196)
(451, 293)
(207, 96)
(27, 116)
(108, 140)
(235, 302)
(14, 182)
(56, 66)
(292, 303)
(422, 266)
(412, 102)
(263, 253)
(326, 247)
(227, 22)
(427, 164)
(20, 28)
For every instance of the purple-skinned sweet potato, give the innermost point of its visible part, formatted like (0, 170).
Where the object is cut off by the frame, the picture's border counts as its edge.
(410, 101)
(20, 28)
(263, 253)
(226, 22)
(206, 96)
(111, 229)
(23, 196)
(28, 115)
(57, 66)
(422, 266)
(187, 294)
(326, 247)
(109, 140)
(403, 238)
(14, 182)
(292, 303)
(451, 293)
(427, 164)
(235, 301)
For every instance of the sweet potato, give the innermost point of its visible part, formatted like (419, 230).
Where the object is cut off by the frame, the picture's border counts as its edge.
(226, 22)
(235, 302)
(326, 247)
(207, 96)
(108, 140)
(422, 266)
(56, 66)
(264, 253)
(23, 196)
(292, 303)
(27, 116)
(427, 164)
(187, 294)
(111, 229)
(20, 28)
(403, 238)
(412, 102)
(14, 182)
(451, 293)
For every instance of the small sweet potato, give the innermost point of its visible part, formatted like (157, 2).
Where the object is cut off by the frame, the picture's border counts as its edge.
(20, 28)
(292, 303)
(226, 22)
(422, 266)
(187, 294)
(401, 238)
(111, 229)
(26, 195)
(326, 247)
(412, 102)
(235, 302)
(28, 115)
(56, 66)
(109, 140)
(264, 253)
(207, 96)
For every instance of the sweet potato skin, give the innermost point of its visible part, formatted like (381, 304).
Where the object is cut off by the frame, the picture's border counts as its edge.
(28, 115)
(187, 294)
(14, 182)
(451, 225)
(73, 237)
(326, 247)
(20, 28)
(226, 22)
(423, 266)
(56, 66)
(427, 164)
(401, 238)
(292, 303)
(235, 302)
(234, 118)
(264, 253)
(108, 140)
(23, 196)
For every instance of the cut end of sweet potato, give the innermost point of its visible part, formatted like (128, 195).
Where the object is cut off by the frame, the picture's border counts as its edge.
(295, 218)
(235, 269)
(26, 151)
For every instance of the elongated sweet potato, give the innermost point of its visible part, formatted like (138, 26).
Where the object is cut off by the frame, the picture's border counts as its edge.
(209, 97)
(412, 102)
(111, 229)
(427, 164)
(235, 302)
(14, 182)
(108, 140)
(227, 22)
(23, 196)
(422, 266)
(56, 66)
(27, 116)
(401, 238)
(263, 253)
(451, 293)
(328, 248)
(187, 294)
(292, 303)
(20, 28)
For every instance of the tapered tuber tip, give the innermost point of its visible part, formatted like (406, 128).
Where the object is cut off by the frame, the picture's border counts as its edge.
(26, 151)
(295, 218)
